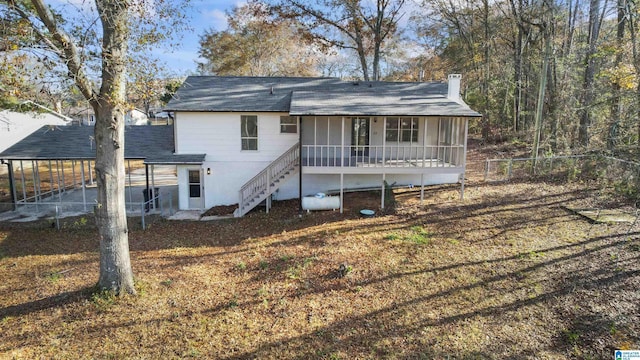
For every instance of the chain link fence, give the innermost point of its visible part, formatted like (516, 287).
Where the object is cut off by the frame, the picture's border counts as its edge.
(81, 213)
(622, 175)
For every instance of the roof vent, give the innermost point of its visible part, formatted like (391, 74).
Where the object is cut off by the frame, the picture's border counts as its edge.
(356, 83)
(271, 92)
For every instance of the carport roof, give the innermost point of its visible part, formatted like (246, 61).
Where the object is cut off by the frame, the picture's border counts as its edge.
(153, 144)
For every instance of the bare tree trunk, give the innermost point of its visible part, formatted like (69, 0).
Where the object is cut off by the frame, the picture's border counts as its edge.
(616, 104)
(109, 103)
(589, 74)
(541, 95)
(486, 124)
(111, 217)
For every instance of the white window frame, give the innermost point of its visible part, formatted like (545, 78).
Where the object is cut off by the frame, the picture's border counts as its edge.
(293, 125)
(413, 131)
(242, 137)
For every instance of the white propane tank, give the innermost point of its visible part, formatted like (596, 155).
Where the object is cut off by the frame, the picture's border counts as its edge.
(320, 203)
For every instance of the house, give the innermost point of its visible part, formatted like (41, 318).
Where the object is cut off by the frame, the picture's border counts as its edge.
(279, 138)
(136, 117)
(14, 126)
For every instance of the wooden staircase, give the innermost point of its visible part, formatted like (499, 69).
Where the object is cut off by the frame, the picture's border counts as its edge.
(261, 186)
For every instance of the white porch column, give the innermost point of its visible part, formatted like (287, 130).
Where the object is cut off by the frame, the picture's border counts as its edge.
(421, 188)
(464, 157)
(383, 190)
(341, 192)
(315, 142)
(342, 146)
(424, 143)
(384, 141)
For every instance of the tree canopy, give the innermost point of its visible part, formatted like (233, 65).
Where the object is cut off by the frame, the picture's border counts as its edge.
(257, 43)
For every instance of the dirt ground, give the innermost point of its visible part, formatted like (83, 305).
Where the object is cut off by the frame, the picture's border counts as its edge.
(505, 273)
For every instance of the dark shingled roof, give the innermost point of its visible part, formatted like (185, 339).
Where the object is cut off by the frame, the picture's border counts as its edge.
(154, 144)
(315, 96)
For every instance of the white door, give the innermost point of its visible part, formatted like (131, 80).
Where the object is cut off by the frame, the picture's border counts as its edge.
(195, 189)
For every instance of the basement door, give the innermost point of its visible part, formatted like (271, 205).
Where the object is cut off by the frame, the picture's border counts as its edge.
(195, 189)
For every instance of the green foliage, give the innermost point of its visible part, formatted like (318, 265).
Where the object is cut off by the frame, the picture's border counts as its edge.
(416, 234)
(170, 89)
(103, 300)
(241, 266)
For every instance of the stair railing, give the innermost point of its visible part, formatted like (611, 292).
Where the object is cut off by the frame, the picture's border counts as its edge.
(264, 183)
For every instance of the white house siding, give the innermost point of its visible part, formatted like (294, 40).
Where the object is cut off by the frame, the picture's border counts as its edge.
(15, 126)
(218, 136)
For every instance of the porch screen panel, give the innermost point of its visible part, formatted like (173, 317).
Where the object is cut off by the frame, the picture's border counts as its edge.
(249, 132)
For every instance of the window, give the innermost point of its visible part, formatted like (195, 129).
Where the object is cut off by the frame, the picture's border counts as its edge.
(194, 183)
(288, 125)
(403, 129)
(249, 132)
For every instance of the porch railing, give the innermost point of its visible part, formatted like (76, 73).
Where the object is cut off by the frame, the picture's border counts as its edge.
(382, 156)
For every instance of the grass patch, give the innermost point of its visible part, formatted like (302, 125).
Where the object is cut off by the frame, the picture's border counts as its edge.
(497, 271)
(416, 234)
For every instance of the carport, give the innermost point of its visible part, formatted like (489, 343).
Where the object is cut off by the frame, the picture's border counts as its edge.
(55, 160)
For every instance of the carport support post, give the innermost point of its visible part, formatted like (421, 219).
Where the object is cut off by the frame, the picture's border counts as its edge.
(12, 185)
(153, 185)
(24, 183)
(73, 172)
(129, 176)
(64, 184)
(58, 173)
(36, 180)
(50, 179)
(90, 172)
(84, 194)
(146, 177)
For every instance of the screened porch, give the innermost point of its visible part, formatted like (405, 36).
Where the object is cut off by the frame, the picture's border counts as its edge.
(384, 142)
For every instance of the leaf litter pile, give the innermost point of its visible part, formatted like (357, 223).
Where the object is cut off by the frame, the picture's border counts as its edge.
(505, 273)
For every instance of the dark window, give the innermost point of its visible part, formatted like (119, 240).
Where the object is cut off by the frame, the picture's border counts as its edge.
(249, 132)
(194, 183)
(288, 125)
(402, 129)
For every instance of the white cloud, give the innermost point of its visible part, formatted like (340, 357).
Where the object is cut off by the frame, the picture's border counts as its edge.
(216, 19)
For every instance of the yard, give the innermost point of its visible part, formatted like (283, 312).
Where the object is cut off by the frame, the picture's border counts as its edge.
(506, 273)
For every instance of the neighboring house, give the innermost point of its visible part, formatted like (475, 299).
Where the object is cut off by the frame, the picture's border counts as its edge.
(14, 126)
(256, 133)
(136, 117)
(157, 117)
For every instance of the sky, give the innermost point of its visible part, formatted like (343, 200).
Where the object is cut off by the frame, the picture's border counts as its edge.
(204, 14)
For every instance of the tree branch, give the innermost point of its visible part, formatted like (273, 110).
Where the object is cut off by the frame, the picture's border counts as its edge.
(68, 50)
